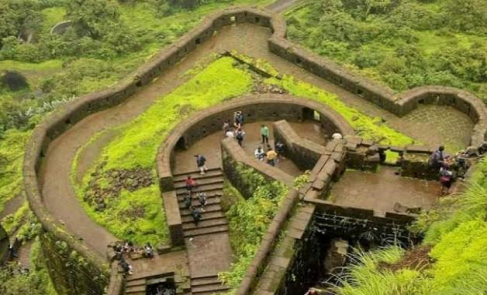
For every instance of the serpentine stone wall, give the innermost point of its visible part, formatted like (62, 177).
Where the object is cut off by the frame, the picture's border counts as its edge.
(71, 113)
(255, 108)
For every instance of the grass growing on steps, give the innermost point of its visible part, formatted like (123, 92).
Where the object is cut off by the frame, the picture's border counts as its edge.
(136, 145)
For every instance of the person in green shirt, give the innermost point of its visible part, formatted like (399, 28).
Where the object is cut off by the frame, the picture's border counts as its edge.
(264, 131)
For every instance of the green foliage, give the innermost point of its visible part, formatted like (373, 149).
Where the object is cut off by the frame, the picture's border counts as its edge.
(401, 44)
(249, 220)
(136, 143)
(11, 153)
(457, 230)
(36, 282)
(302, 180)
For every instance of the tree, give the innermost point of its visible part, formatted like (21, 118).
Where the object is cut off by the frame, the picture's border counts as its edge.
(18, 17)
(467, 15)
(93, 18)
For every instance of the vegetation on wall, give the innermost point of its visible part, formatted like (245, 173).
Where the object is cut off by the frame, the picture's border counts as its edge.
(402, 44)
(249, 220)
(35, 282)
(136, 144)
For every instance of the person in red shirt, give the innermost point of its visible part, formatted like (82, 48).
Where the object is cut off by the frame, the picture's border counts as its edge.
(190, 183)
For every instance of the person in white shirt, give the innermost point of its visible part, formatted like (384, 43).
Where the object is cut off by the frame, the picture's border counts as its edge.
(337, 136)
(259, 154)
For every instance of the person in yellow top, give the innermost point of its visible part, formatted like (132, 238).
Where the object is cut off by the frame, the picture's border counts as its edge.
(271, 157)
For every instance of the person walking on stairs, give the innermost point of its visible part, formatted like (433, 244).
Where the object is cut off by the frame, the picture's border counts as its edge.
(195, 212)
(200, 162)
(264, 132)
(187, 200)
(202, 200)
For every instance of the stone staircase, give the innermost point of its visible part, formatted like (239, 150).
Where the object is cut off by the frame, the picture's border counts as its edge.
(213, 219)
(207, 285)
(136, 284)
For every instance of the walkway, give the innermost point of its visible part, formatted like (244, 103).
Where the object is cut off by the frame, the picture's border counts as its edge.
(248, 39)
(382, 190)
(210, 146)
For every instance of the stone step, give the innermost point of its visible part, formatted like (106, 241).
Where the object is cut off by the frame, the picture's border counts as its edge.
(215, 172)
(194, 196)
(135, 290)
(208, 208)
(209, 189)
(201, 183)
(201, 281)
(208, 289)
(205, 216)
(209, 202)
(204, 223)
(205, 231)
(136, 282)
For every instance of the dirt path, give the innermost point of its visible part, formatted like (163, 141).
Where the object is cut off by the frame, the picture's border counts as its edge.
(59, 195)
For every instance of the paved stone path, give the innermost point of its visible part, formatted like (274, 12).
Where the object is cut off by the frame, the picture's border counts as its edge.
(59, 196)
(380, 191)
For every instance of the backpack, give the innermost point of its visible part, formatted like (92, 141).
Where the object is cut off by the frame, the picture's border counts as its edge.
(240, 136)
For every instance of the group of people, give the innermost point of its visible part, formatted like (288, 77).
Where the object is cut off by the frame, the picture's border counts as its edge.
(191, 188)
(236, 131)
(271, 156)
(123, 249)
(450, 167)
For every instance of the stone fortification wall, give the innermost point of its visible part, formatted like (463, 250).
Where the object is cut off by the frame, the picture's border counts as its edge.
(70, 271)
(235, 158)
(73, 112)
(255, 108)
(399, 104)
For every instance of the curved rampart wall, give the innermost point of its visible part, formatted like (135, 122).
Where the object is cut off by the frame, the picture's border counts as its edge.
(255, 108)
(75, 111)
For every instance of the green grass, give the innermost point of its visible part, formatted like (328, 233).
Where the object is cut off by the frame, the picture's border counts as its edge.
(11, 159)
(457, 232)
(249, 220)
(137, 142)
(52, 16)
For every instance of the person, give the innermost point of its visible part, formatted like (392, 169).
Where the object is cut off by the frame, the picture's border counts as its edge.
(259, 153)
(128, 247)
(12, 252)
(446, 180)
(187, 200)
(202, 200)
(127, 268)
(230, 133)
(190, 183)
(196, 215)
(226, 127)
(239, 119)
(149, 251)
(437, 158)
(240, 136)
(336, 136)
(271, 157)
(200, 162)
(264, 132)
(280, 148)
(118, 249)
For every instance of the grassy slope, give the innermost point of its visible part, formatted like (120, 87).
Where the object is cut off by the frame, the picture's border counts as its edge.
(429, 43)
(137, 143)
